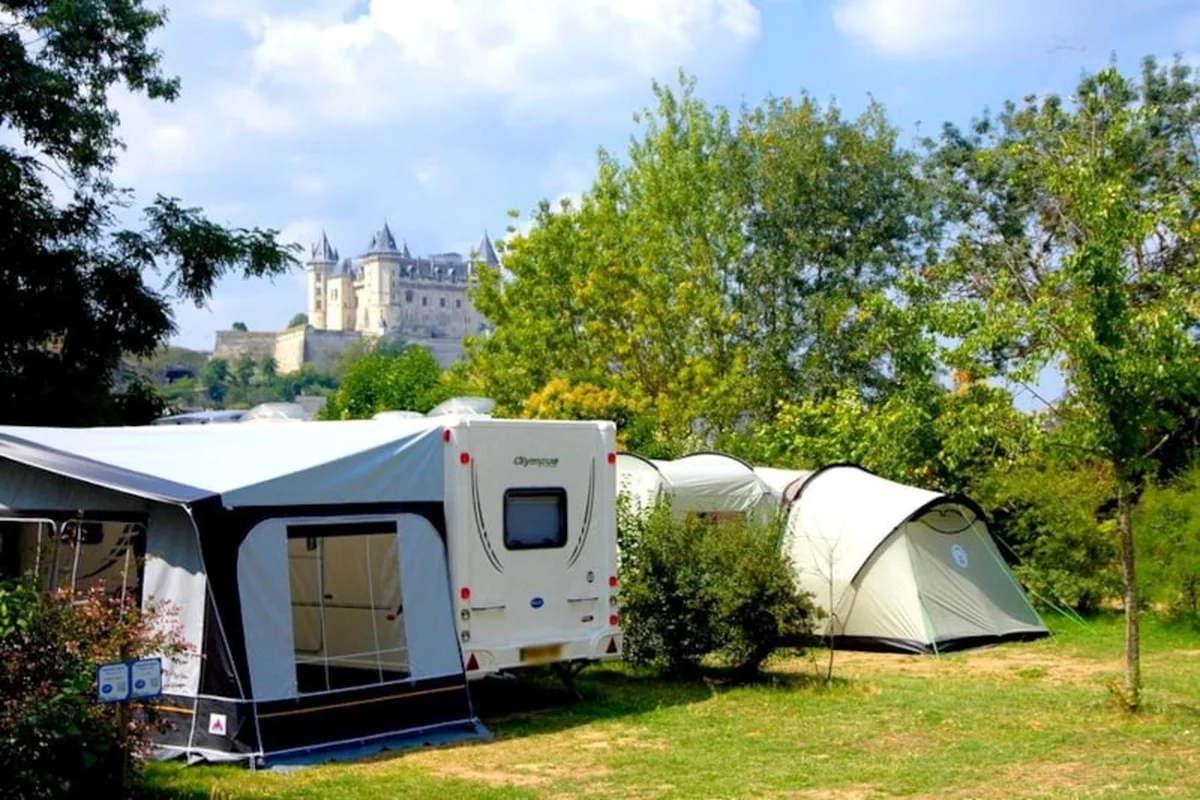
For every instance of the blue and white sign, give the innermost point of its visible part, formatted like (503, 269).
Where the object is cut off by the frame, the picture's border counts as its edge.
(129, 680)
(112, 682)
(959, 555)
(147, 678)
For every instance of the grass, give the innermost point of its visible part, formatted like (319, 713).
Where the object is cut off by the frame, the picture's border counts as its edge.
(1031, 720)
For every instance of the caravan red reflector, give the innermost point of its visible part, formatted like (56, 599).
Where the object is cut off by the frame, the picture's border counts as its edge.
(612, 581)
(612, 458)
(465, 458)
(472, 664)
(613, 620)
(612, 646)
(445, 434)
(465, 593)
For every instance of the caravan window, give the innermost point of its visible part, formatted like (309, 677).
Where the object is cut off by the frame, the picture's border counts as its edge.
(535, 518)
(75, 554)
(347, 617)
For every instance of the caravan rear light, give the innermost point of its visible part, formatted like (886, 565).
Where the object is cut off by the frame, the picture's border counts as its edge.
(464, 593)
(612, 581)
(612, 621)
(464, 458)
(612, 458)
(445, 434)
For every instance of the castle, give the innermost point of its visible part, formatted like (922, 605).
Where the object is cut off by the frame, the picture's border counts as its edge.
(384, 292)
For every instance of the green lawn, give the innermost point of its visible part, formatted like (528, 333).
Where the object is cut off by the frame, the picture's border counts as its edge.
(1030, 720)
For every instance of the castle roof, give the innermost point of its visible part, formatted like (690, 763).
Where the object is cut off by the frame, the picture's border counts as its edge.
(486, 253)
(323, 252)
(383, 241)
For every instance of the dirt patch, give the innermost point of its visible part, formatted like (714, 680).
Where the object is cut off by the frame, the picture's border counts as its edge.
(537, 760)
(842, 793)
(995, 663)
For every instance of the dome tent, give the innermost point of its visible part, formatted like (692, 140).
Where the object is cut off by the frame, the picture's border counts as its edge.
(716, 484)
(640, 479)
(783, 484)
(902, 569)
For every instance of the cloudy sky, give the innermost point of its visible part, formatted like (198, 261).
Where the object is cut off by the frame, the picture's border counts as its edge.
(440, 115)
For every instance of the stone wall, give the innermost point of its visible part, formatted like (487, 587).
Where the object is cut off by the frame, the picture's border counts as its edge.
(320, 348)
(231, 345)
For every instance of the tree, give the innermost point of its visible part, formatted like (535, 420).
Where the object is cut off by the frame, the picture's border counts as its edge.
(76, 297)
(298, 321)
(1076, 227)
(243, 371)
(716, 270)
(269, 369)
(239, 326)
(216, 374)
(385, 381)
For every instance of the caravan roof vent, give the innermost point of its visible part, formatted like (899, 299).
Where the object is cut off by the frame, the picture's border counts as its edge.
(275, 412)
(466, 406)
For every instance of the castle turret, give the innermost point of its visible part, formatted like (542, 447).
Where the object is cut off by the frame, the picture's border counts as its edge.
(485, 253)
(322, 261)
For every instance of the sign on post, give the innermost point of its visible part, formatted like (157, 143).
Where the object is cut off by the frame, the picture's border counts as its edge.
(122, 681)
(112, 682)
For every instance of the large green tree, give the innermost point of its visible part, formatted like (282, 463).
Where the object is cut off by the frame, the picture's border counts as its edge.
(73, 279)
(1076, 229)
(387, 379)
(720, 267)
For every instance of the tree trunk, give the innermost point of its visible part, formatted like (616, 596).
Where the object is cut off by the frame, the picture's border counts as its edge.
(1133, 660)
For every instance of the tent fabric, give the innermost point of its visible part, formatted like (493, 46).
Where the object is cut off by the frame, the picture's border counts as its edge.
(245, 465)
(641, 479)
(783, 484)
(902, 568)
(714, 483)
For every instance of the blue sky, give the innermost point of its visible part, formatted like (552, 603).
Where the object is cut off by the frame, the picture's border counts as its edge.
(439, 115)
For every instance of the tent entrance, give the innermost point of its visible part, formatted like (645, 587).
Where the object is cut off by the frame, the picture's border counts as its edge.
(347, 610)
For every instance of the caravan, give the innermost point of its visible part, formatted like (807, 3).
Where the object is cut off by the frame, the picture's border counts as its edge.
(337, 582)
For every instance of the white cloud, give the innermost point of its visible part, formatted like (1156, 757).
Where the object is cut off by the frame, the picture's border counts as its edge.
(401, 59)
(945, 27)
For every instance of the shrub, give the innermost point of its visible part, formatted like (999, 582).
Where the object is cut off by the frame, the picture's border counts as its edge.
(56, 740)
(691, 588)
(1168, 527)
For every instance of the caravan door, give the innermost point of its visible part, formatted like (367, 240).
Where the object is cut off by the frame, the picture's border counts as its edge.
(531, 519)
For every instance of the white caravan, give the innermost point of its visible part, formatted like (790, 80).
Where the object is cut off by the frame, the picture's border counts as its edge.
(532, 541)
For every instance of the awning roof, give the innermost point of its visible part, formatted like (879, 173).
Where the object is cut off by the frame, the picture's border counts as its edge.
(304, 463)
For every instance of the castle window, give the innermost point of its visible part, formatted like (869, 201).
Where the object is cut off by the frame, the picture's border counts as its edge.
(424, 301)
(458, 303)
(443, 302)
(408, 295)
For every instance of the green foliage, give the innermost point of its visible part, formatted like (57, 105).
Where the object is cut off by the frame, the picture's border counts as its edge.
(387, 379)
(1169, 545)
(55, 739)
(298, 321)
(691, 588)
(76, 296)
(239, 326)
(1056, 517)
(720, 268)
(920, 435)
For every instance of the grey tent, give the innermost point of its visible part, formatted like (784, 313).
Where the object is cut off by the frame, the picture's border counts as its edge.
(900, 568)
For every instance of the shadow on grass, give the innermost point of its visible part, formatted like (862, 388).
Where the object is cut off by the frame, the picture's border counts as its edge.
(536, 703)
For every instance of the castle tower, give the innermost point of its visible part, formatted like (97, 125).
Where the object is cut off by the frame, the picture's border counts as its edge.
(377, 294)
(322, 262)
(485, 253)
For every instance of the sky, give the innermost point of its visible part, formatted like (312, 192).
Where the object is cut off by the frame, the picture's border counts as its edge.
(441, 115)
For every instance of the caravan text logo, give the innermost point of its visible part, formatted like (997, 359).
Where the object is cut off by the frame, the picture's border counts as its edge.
(524, 461)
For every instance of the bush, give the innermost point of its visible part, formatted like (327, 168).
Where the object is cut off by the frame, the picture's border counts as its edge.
(691, 588)
(1168, 527)
(1057, 518)
(56, 740)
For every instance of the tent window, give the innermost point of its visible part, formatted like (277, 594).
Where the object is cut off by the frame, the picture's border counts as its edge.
(535, 519)
(75, 554)
(347, 616)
